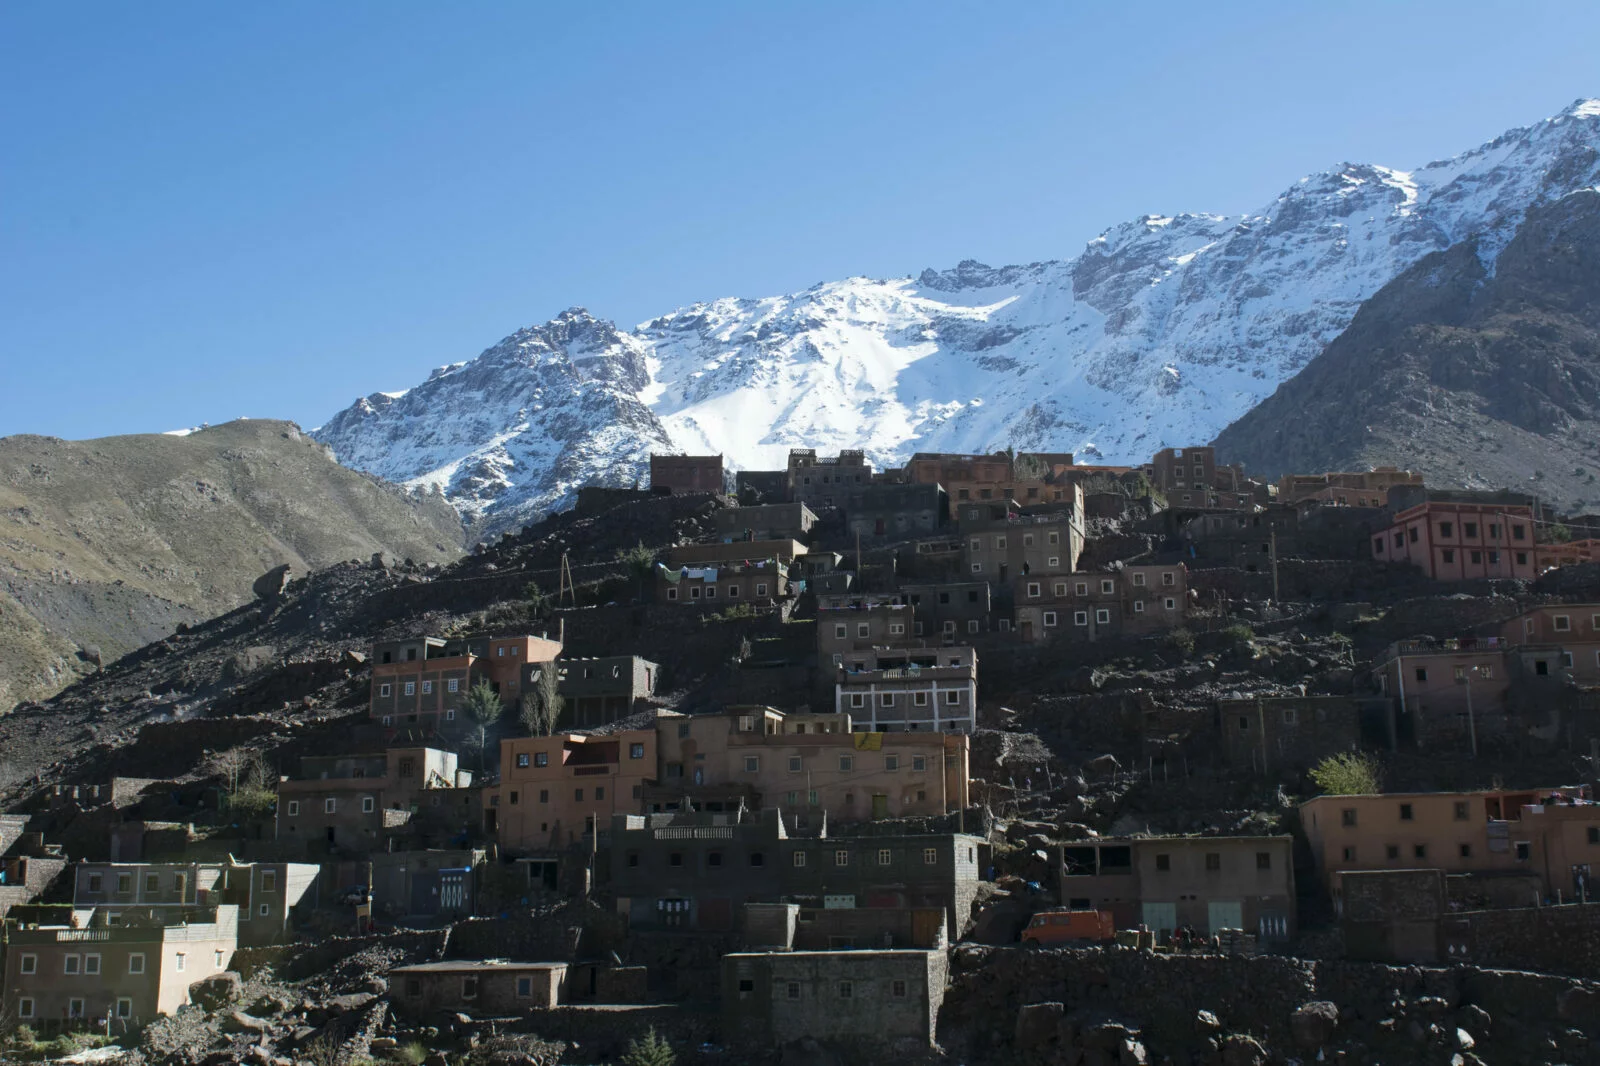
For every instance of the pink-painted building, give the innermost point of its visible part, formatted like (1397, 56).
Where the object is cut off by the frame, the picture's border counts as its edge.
(1462, 536)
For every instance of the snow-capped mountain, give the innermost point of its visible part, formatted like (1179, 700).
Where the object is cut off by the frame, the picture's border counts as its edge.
(1161, 332)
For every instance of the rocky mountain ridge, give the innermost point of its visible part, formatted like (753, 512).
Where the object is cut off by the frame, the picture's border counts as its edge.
(1161, 332)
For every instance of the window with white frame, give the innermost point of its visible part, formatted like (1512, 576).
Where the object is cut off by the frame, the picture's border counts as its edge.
(1083, 588)
(1561, 623)
(75, 1008)
(91, 965)
(1049, 619)
(972, 625)
(1053, 562)
(411, 688)
(1033, 590)
(25, 1007)
(1080, 618)
(977, 568)
(367, 804)
(857, 700)
(383, 690)
(136, 963)
(1102, 616)
(1138, 607)
(930, 856)
(1107, 586)
(1138, 579)
(452, 685)
(72, 964)
(1168, 577)
(181, 963)
(863, 629)
(733, 592)
(28, 964)
(841, 857)
(920, 699)
(897, 629)
(427, 688)
(886, 699)
(952, 696)
(1170, 604)
(124, 1007)
(330, 805)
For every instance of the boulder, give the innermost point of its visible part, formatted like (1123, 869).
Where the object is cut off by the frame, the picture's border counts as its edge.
(1036, 1024)
(348, 1004)
(1578, 1004)
(1241, 1050)
(216, 992)
(1104, 764)
(1206, 1023)
(238, 1021)
(270, 585)
(1313, 1023)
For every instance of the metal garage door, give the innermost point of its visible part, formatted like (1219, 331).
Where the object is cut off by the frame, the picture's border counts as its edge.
(1161, 918)
(1224, 914)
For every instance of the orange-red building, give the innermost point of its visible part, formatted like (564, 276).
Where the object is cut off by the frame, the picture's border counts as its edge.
(1460, 536)
(420, 684)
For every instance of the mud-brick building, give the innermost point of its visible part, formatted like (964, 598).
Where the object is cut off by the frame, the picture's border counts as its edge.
(598, 691)
(766, 521)
(892, 690)
(1205, 883)
(1268, 734)
(269, 895)
(475, 986)
(773, 998)
(60, 977)
(350, 803)
(681, 474)
(420, 684)
(821, 482)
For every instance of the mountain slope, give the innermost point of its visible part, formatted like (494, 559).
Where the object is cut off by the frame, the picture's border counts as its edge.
(1474, 378)
(111, 542)
(1162, 332)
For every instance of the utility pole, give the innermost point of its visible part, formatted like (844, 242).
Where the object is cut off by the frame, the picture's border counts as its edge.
(1472, 722)
(1273, 545)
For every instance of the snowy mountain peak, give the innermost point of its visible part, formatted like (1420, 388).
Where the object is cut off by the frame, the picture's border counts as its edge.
(1161, 332)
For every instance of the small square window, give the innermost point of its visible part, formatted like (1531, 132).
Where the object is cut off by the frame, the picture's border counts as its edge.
(930, 856)
(1163, 863)
(522, 759)
(799, 858)
(541, 758)
(1406, 814)
(794, 990)
(330, 805)
(846, 990)
(847, 763)
(1213, 860)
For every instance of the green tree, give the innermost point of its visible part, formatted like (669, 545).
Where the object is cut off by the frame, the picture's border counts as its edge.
(483, 706)
(1559, 534)
(649, 1050)
(641, 562)
(541, 708)
(537, 600)
(1348, 773)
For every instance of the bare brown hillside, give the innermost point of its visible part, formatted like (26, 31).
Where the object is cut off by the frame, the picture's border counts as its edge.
(107, 544)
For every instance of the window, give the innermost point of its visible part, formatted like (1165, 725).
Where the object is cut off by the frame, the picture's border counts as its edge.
(799, 858)
(711, 592)
(75, 1008)
(124, 1007)
(469, 988)
(452, 685)
(25, 1007)
(152, 882)
(1347, 817)
(182, 962)
(858, 700)
(761, 589)
(672, 594)
(1406, 813)
(897, 989)
(1449, 555)
(891, 762)
(977, 568)
(1263, 860)
(1080, 618)
(1083, 588)
(1107, 587)
(919, 699)
(675, 859)
(522, 759)
(1465, 851)
(1349, 854)
(367, 804)
(383, 690)
(125, 881)
(1469, 529)
(1519, 532)
(1422, 673)
(411, 688)
(1138, 579)
(1163, 863)
(714, 858)
(544, 795)
(1446, 529)
(752, 764)
(794, 990)
(541, 758)
(216, 959)
(930, 856)
(330, 805)
(999, 542)
(885, 856)
(952, 697)
(1049, 619)
(265, 912)
(846, 990)
(29, 964)
(91, 965)
(795, 764)
(897, 629)
(1102, 617)
(1060, 588)
(886, 699)
(1462, 810)
(427, 688)
(1522, 851)
(450, 714)
(919, 764)
(96, 882)
(1561, 623)
(524, 987)
(847, 763)
(1033, 589)
(136, 963)
(577, 794)
(863, 629)
(1213, 860)
(733, 592)
(1594, 834)
(1138, 607)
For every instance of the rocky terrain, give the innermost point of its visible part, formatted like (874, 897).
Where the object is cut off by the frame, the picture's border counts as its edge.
(1481, 378)
(1163, 331)
(106, 545)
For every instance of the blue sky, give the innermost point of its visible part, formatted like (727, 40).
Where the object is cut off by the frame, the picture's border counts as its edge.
(211, 210)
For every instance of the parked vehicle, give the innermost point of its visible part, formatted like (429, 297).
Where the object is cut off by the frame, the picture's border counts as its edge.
(1068, 927)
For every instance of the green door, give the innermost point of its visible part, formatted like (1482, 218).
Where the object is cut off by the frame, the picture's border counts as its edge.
(880, 805)
(1224, 914)
(1160, 918)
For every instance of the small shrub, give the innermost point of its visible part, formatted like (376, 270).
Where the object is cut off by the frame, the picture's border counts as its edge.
(648, 1050)
(1348, 774)
(1183, 640)
(411, 1054)
(1238, 633)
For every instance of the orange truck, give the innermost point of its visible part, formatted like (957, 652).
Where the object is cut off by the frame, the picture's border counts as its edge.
(1069, 927)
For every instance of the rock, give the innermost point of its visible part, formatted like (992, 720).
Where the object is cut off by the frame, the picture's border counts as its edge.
(1206, 1023)
(1313, 1023)
(239, 1022)
(384, 1043)
(1107, 1036)
(1104, 764)
(1464, 1040)
(1132, 1053)
(1475, 1019)
(1036, 1024)
(348, 1004)
(1578, 1004)
(270, 585)
(377, 984)
(1241, 1050)
(216, 992)
(437, 1058)
(257, 1055)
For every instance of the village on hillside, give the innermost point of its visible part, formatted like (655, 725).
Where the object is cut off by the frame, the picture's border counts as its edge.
(962, 761)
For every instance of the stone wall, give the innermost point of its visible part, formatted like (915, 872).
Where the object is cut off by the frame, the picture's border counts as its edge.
(1558, 940)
